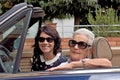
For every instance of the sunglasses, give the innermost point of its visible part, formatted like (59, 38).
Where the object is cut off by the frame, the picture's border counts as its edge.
(42, 39)
(81, 44)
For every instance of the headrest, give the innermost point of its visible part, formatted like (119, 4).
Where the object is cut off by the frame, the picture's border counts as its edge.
(101, 48)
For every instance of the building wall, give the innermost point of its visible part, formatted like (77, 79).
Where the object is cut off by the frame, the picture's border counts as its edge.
(65, 27)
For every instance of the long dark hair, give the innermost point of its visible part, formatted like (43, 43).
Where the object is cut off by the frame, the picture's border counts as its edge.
(51, 32)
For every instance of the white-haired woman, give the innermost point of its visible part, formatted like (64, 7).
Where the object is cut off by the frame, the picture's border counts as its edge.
(81, 47)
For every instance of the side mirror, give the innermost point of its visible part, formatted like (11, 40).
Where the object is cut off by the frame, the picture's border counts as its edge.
(38, 12)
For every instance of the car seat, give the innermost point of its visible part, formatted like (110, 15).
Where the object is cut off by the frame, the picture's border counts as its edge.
(101, 48)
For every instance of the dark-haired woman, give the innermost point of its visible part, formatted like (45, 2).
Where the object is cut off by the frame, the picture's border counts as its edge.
(47, 50)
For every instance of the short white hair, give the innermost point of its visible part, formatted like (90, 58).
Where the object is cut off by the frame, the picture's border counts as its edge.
(86, 32)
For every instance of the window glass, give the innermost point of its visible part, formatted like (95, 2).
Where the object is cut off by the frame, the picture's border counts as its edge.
(9, 43)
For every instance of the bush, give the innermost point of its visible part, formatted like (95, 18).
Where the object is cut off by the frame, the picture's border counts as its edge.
(107, 19)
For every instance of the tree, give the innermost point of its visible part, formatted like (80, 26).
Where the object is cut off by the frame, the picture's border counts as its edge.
(8, 4)
(62, 8)
(58, 8)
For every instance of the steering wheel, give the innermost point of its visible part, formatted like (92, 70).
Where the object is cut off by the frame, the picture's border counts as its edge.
(6, 60)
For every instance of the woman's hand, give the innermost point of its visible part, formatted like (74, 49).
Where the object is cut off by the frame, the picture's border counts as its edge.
(61, 67)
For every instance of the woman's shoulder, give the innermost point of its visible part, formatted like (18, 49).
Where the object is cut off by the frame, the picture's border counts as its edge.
(61, 59)
(62, 56)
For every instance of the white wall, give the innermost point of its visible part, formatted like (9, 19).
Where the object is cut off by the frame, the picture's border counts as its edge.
(65, 27)
(32, 31)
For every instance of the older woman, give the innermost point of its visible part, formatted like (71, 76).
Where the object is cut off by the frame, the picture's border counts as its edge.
(47, 51)
(80, 48)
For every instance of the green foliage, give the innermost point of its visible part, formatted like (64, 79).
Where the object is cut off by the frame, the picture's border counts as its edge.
(106, 19)
(62, 8)
(52, 9)
(67, 8)
(0, 9)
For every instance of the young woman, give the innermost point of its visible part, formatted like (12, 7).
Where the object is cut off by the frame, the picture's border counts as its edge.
(47, 50)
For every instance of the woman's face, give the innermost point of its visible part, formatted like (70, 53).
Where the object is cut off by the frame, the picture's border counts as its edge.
(46, 43)
(76, 52)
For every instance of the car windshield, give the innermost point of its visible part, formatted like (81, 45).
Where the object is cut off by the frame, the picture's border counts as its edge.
(9, 43)
(15, 24)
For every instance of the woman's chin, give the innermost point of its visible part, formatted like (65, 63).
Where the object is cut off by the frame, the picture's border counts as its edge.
(75, 59)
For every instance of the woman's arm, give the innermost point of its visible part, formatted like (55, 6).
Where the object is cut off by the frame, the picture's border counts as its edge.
(98, 62)
(88, 63)
(91, 63)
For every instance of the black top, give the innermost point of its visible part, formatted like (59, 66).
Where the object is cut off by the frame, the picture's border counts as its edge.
(40, 64)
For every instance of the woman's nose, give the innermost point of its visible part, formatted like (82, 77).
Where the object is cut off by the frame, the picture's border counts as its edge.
(45, 41)
(76, 46)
